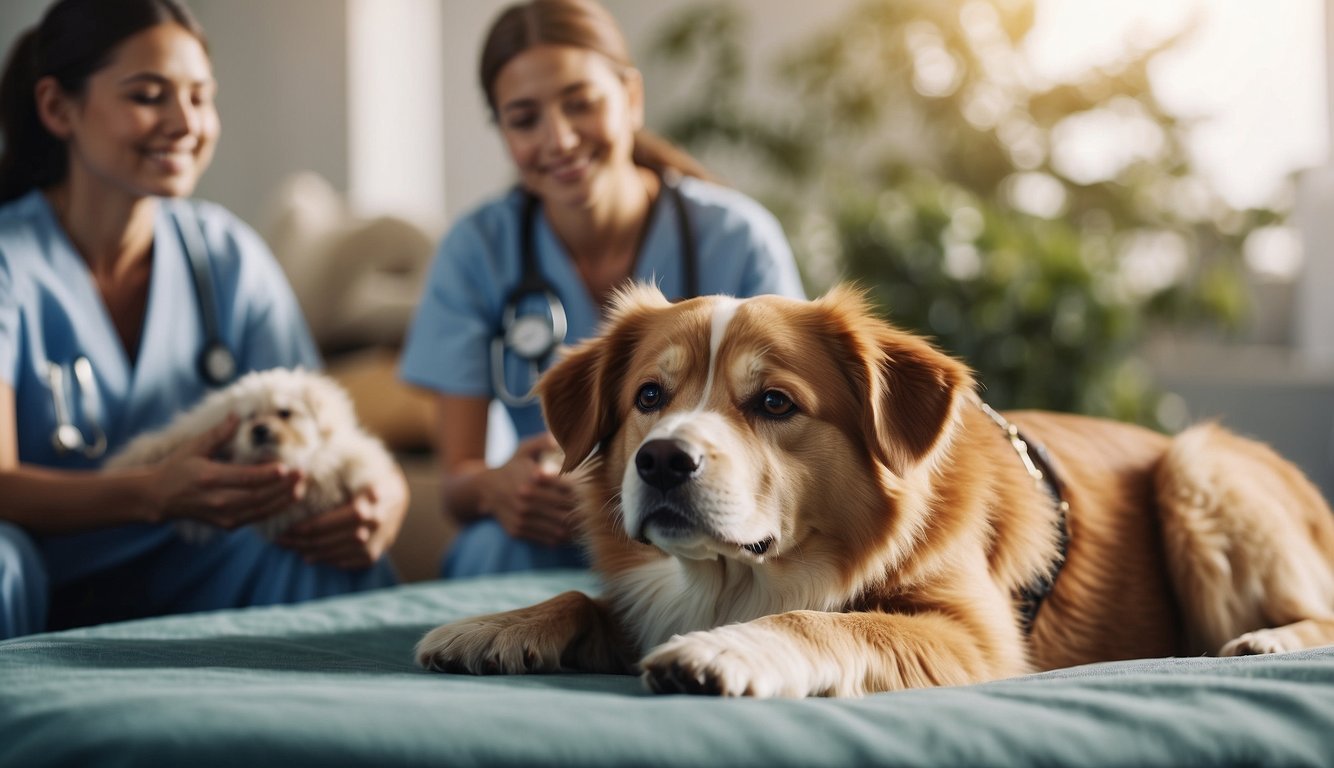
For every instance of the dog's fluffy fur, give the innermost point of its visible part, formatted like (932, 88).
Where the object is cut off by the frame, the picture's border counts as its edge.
(794, 498)
(299, 418)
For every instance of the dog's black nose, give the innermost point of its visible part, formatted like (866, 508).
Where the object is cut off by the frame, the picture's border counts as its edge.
(664, 464)
(259, 434)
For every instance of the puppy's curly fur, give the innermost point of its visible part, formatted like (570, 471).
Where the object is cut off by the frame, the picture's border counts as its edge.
(299, 418)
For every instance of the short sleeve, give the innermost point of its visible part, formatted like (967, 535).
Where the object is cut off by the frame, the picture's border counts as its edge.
(266, 320)
(770, 267)
(743, 250)
(447, 344)
(9, 324)
(276, 333)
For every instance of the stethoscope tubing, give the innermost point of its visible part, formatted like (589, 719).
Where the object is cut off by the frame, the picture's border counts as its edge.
(216, 363)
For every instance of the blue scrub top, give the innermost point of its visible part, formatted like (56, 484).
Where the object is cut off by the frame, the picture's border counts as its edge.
(740, 248)
(51, 313)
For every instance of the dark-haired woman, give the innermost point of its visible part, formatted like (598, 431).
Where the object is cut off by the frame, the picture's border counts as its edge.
(107, 120)
(599, 202)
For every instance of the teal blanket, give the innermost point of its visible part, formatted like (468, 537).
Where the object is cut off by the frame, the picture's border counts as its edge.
(333, 683)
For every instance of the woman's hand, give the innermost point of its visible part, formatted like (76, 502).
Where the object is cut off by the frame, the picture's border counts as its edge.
(191, 485)
(528, 496)
(356, 534)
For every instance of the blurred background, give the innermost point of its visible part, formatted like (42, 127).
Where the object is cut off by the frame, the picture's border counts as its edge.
(1117, 207)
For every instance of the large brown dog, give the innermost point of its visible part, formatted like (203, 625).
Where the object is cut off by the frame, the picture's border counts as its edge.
(793, 498)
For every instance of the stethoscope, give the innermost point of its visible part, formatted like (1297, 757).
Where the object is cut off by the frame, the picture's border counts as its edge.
(68, 438)
(533, 336)
(216, 362)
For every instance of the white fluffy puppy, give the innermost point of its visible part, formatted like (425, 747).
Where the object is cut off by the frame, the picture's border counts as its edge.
(296, 417)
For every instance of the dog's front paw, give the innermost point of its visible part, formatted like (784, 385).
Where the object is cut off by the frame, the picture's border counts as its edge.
(737, 660)
(1261, 641)
(488, 645)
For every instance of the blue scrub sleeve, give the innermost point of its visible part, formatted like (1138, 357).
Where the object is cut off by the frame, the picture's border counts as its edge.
(742, 248)
(770, 267)
(448, 343)
(276, 334)
(9, 325)
(266, 319)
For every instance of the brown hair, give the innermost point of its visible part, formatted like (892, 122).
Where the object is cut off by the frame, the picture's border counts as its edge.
(75, 39)
(580, 24)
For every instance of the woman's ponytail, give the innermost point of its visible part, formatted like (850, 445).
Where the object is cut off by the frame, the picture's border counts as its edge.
(29, 155)
(653, 151)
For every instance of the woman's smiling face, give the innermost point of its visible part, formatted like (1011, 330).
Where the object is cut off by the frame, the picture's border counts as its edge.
(146, 122)
(568, 117)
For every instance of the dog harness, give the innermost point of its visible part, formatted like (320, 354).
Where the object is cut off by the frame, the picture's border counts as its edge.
(1039, 466)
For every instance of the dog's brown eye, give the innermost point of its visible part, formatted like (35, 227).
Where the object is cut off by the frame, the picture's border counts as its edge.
(775, 403)
(284, 413)
(649, 398)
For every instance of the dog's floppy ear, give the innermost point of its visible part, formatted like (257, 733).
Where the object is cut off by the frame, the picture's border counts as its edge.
(912, 390)
(328, 402)
(579, 393)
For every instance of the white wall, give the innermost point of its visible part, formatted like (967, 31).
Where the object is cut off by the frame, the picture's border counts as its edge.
(282, 73)
(475, 163)
(16, 16)
(396, 112)
(1314, 312)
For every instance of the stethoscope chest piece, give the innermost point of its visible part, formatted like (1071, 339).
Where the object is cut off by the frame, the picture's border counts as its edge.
(217, 364)
(535, 336)
(531, 336)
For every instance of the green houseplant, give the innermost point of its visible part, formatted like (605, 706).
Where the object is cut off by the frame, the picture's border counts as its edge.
(906, 147)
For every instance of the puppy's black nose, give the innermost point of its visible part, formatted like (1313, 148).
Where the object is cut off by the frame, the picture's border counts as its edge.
(664, 464)
(259, 434)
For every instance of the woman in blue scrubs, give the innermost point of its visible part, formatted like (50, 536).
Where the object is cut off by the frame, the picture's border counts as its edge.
(107, 120)
(599, 202)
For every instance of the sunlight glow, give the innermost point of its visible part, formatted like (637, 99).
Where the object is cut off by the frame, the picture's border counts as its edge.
(1253, 74)
(1096, 145)
(1152, 261)
(1035, 193)
(1274, 253)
